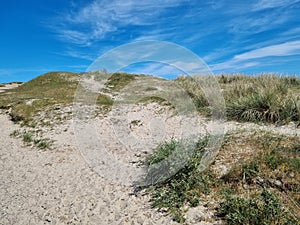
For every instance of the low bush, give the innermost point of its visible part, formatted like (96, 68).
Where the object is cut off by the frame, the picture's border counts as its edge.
(263, 208)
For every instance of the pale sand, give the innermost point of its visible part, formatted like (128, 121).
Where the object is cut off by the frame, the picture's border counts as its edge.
(58, 187)
(9, 86)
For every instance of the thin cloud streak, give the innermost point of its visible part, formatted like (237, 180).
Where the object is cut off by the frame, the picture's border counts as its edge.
(269, 4)
(285, 49)
(249, 59)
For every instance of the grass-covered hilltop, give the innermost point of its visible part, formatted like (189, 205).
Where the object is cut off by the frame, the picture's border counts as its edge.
(254, 179)
(263, 98)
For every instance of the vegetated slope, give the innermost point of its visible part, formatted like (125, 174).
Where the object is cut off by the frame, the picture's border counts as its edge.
(46, 90)
(261, 184)
(264, 98)
(49, 90)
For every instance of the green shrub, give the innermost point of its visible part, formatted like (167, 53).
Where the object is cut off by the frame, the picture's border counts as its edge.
(44, 143)
(27, 137)
(186, 185)
(257, 210)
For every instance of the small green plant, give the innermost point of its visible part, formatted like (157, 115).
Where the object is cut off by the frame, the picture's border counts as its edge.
(184, 187)
(104, 100)
(27, 137)
(151, 89)
(15, 133)
(264, 208)
(249, 171)
(156, 99)
(42, 143)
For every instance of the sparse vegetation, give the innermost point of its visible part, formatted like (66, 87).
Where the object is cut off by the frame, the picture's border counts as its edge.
(263, 98)
(151, 89)
(119, 80)
(15, 133)
(156, 99)
(39, 93)
(261, 208)
(186, 186)
(269, 172)
(31, 139)
(104, 100)
(195, 92)
(43, 92)
(27, 137)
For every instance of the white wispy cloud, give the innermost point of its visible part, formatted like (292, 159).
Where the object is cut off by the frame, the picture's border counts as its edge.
(252, 23)
(253, 57)
(77, 54)
(76, 37)
(291, 33)
(247, 18)
(268, 4)
(232, 65)
(285, 49)
(101, 17)
(109, 23)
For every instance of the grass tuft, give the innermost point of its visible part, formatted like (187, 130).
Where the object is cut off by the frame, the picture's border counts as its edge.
(186, 186)
(30, 140)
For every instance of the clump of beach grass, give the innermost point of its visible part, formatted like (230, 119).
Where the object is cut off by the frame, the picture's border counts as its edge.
(264, 98)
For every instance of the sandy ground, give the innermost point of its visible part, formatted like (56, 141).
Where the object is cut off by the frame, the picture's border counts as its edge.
(73, 183)
(58, 187)
(9, 86)
(67, 185)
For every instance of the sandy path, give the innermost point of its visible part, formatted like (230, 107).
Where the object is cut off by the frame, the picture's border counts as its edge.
(57, 187)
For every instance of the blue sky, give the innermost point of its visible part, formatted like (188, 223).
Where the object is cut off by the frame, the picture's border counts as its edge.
(251, 36)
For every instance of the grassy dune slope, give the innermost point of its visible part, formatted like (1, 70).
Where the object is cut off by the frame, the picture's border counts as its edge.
(263, 98)
(261, 184)
(46, 90)
(49, 90)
